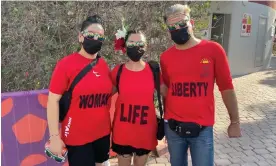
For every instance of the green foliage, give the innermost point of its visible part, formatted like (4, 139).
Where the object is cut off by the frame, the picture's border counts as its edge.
(35, 35)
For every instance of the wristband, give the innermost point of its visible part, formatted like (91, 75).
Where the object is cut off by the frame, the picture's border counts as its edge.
(54, 135)
(236, 122)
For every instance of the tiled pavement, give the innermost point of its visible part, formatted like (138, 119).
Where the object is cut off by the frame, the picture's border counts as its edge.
(256, 95)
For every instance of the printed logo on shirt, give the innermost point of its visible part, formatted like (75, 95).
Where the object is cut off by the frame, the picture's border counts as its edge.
(67, 127)
(205, 61)
(96, 74)
(189, 89)
(205, 69)
(135, 114)
(94, 100)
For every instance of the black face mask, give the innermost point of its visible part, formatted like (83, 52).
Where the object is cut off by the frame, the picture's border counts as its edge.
(180, 36)
(92, 46)
(135, 53)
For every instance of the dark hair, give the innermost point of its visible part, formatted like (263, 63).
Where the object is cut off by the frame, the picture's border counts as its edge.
(132, 32)
(95, 19)
(165, 19)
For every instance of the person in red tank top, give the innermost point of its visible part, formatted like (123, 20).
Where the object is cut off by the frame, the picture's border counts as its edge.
(85, 131)
(134, 125)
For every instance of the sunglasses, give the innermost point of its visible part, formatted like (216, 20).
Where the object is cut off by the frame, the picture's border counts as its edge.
(93, 36)
(178, 25)
(136, 44)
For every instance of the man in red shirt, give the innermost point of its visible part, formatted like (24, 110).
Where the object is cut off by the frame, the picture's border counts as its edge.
(190, 68)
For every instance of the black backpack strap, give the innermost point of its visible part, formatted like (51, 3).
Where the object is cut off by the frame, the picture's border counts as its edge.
(156, 75)
(119, 72)
(82, 73)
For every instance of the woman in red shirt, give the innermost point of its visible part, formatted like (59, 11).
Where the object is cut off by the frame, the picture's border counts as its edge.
(134, 125)
(86, 128)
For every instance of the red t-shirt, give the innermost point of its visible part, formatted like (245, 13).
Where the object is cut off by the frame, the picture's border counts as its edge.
(135, 117)
(88, 118)
(190, 75)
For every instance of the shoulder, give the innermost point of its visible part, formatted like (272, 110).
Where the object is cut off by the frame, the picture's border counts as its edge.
(213, 45)
(168, 52)
(66, 61)
(212, 48)
(103, 63)
(116, 68)
(217, 49)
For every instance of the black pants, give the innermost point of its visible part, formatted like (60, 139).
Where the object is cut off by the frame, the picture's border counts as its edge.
(128, 150)
(89, 154)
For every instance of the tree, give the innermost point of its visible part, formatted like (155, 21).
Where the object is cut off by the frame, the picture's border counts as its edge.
(37, 34)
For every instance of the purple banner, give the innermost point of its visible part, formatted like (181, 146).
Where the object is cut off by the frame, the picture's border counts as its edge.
(25, 129)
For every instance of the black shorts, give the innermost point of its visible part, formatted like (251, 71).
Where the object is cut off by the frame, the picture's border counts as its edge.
(89, 154)
(128, 150)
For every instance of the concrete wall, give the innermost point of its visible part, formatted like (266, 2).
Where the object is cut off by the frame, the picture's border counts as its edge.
(241, 50)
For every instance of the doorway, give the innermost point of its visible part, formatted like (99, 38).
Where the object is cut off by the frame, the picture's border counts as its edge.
(220, 30)
(260, 45)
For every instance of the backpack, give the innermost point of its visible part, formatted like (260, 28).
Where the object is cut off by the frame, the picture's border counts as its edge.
(154, 66)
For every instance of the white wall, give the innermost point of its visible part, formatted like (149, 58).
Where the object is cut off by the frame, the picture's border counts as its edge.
(241, 50)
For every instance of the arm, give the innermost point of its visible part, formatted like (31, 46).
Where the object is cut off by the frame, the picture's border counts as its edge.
(163, 90)
(165, 78)
(114, 90)
(58, 85)
(224, 82)
(230, 101)
(53, 113)
(163, 87)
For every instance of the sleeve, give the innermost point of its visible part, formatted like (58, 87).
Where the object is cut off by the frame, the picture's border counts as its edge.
(114, 74)
(60, 80)
(222, 70)
(165, 77)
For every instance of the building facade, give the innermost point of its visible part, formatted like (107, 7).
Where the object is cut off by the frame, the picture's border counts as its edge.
(246, 30)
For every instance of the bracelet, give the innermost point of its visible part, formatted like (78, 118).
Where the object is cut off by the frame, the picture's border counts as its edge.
(236, 122)
(54, 135)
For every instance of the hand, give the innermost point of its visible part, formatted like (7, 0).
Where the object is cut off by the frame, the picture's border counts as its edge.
(56, 145)
(234, 130)
(165, 140)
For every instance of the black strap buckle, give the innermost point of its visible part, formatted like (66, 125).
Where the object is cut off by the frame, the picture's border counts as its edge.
(178, 129)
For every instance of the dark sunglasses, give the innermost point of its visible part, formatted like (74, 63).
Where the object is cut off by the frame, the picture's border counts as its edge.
(178, 25)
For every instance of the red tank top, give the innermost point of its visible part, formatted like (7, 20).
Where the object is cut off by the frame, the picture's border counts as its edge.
(135, 117)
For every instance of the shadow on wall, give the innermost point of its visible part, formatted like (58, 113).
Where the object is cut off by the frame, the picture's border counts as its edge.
(270, 80)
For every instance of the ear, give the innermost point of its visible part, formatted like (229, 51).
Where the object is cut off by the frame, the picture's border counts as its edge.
(81, 38)
(191, 26)
(145, 47)
(169, 34)
(190, 30)
(192, 22)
